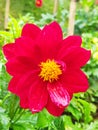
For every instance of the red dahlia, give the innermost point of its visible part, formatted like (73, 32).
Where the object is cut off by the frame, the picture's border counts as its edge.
(45, 68)
(38, 3)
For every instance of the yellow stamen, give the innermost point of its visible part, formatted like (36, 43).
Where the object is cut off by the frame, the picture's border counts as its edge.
(50, 70)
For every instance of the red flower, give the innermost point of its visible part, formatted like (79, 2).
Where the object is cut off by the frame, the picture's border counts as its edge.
(45, 68)
(38, 3)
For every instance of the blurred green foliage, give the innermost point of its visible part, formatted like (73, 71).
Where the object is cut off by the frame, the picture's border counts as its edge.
(82, 113)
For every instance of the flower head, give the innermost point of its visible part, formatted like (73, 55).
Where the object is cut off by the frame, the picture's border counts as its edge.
(50, 71)
(45, 68)
(38, 3)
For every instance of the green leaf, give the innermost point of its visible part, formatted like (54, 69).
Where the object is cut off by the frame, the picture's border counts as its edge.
(69, 125)
(73, 108)
(92, 126)
(23, 126)
(44, 119)
(59, 123)
(4, 120)
(86, 110)
(28, 117)
(67, 120)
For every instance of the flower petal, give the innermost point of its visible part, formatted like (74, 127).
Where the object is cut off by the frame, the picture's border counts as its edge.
(12, 84)
(23, 87)
(9, 50)
(54, 109)
(58, 94)
(35, 98)
(12, 87)
(55, 27)
(27, 47)
(24, 46)
(38, 96)
(26, 82)
(24, 102)
(49, 39)
(74, 40)
(68, 42)
(75, 57)
(20, 65)
(30, 30)
(75, 81)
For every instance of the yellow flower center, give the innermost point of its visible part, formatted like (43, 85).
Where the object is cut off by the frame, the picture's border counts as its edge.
(50, 70)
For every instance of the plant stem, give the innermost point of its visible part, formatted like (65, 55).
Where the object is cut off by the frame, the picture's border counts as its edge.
(13, 107)
(21, 113)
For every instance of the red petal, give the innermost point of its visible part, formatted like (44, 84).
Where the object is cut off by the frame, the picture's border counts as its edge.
(72, 41)
(23, 87)
(20, 65)
(75, 57)
(38, 96)
(28, 63)
(27, 47)
(12, 87)
(49, 39)
(24, 102)
(68, 42)
(9, 50)
(24, 46)
(58, 94)
(12, 84)
(55, 27)
(30, 30)
(54, 109)
(75, 81)
(26, 82)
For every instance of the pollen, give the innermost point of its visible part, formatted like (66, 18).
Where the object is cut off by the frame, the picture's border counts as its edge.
(50, 70)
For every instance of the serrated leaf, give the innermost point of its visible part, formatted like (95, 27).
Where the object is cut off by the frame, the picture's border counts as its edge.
(67, 120)
(74, 110)
(86, 110)
(59, 123)
(44, 119)
(4, 121)
(23, 126)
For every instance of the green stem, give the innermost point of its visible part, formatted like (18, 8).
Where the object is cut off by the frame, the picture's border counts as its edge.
(21, 113)
(14, 113)
(4, 99)
(13, 107)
